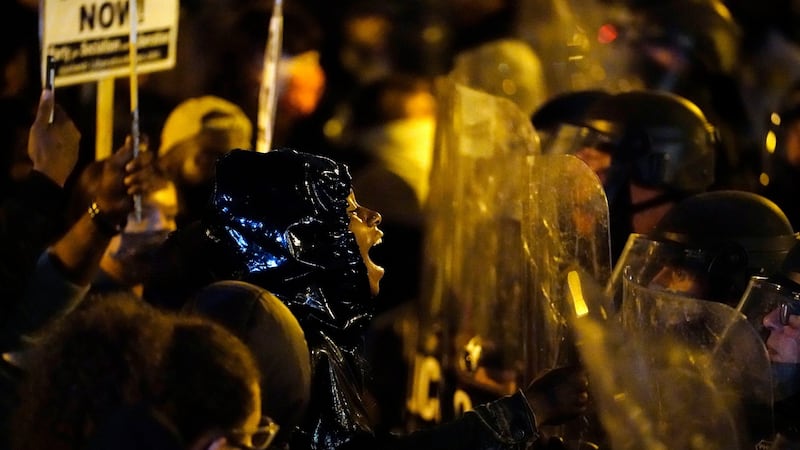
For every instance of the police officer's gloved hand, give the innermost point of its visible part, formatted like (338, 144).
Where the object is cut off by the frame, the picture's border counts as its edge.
(559, 395)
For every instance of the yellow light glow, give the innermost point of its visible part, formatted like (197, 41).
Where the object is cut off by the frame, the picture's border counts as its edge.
(763, 179)
(775, 118)
(770, 142)
(433, 34)
(333, 128)
(574, 283)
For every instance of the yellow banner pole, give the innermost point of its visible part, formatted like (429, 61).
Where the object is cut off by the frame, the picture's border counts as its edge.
(104, 122)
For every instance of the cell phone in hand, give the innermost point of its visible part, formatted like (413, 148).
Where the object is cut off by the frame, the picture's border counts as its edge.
(49, 82)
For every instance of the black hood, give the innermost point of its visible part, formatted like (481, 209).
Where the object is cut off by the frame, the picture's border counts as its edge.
(279, 220)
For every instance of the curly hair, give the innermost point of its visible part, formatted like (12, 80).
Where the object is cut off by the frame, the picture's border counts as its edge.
(206, 379)
(84, 368)
(118, 352)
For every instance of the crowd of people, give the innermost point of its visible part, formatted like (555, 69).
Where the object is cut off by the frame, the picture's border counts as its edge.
(193, 293)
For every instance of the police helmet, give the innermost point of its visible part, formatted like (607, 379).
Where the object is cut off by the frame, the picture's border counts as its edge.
(660, 140)
(719, 239)
(703, 31)
(559, 121)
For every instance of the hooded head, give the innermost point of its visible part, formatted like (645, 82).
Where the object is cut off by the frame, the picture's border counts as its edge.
(280, 220)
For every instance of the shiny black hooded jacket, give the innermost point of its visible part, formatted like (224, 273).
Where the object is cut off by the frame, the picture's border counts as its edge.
(279, 220)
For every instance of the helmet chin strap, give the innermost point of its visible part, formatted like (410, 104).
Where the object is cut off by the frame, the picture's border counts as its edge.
(658, 200)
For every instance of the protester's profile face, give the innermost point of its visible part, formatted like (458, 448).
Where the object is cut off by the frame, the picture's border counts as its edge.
(783, 343)
(364, 225)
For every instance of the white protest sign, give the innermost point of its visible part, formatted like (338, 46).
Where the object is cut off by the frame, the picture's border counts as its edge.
(89, 38)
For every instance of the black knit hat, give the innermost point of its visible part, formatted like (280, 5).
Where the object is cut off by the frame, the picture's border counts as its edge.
(274, 337)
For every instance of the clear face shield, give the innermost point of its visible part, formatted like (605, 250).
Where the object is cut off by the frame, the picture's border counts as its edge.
(770, 303)
(663, 266)
(772, 306)
(591, 146)
(678, 373)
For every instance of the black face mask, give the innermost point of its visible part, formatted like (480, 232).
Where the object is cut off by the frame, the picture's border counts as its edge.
(194, 199)
(136, 251)
(785, 380)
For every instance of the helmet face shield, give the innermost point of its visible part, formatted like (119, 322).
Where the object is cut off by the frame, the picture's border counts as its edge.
(680, 316)
(569, 139)
(663, 266)
(772, 307)
(591, 146)
(736, 353)
(770, 303)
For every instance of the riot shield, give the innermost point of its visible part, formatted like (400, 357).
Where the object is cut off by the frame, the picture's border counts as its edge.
(649, 393)
(473, 277)
(579, 42)
(566, 230)
(493, 310)
(651, 262)
(567, 245)
(701, 372)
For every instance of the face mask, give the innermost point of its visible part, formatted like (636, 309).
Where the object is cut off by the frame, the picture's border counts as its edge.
(140, 243)
(136, 251)
(785, 380)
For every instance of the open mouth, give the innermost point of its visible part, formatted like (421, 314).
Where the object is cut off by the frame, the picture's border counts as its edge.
(371, 266)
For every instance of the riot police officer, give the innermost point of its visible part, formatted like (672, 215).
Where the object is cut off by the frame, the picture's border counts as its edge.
(651, 149)
(709, 245)
(772, 305)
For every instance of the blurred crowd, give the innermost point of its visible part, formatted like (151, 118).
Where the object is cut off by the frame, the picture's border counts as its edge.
(241, 300)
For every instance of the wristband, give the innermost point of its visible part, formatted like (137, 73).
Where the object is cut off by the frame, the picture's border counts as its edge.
(103, 223)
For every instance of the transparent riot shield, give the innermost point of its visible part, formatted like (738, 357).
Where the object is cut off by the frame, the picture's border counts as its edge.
(579, 41)
(474, 274)
(567, 245)
(690, 370)
(493, 312)
(566, 230)
(651, 392)
(657, 264)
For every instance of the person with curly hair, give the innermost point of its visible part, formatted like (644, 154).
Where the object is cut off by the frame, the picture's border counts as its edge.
(120, 374)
